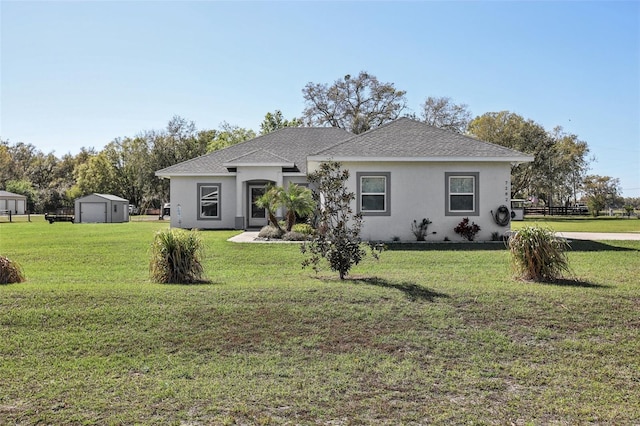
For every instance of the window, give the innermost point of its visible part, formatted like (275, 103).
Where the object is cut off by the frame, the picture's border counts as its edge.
(462, 194)
(374, 193)
(209, 201)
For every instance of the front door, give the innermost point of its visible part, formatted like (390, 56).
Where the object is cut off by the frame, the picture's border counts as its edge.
(257, 216)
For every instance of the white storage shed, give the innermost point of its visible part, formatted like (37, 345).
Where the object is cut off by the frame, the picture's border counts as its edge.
(101, 208)
(14, 203)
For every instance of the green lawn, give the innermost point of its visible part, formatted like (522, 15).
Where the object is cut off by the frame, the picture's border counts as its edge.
(582, 224)
(430, 334)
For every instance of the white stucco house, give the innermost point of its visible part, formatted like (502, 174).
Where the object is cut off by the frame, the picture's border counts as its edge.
(400, 172)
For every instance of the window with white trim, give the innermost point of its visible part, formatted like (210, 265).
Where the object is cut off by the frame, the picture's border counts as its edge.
(374, 193)
(209, 201)
(462, 193)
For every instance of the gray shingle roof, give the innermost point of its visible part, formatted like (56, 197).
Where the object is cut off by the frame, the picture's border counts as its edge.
(291, 144)
(405, 138)
(259, 156)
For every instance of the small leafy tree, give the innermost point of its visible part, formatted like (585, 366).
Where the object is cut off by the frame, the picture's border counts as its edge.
(338, 237)
(537, 254)
(466, 229)
(175, 257)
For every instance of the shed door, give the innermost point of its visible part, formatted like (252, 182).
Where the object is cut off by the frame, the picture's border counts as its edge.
(93, 212)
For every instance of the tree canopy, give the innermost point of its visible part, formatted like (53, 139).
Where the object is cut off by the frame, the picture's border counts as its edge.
(356, 104)
(560, 159)
(126, 166)
(444, 113)
(275, 121)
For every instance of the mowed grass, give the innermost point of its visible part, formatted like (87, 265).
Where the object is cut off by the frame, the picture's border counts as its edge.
(582, 223)
(430, 334)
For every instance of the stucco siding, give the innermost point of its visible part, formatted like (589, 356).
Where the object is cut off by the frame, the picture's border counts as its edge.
(418, 190)
(185, 203)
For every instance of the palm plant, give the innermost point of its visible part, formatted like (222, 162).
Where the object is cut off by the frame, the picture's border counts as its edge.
(270, 201)
(297, 200)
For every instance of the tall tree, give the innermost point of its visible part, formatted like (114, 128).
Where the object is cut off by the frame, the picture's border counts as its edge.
(6, 163)
(98, 174)
(356, 104)
(179, 142)
(568, 165)
(275, 121)
(22, 155)
(600, 192)
(444, 113)
(228, 135)
(560, 159)
(133, 171)
(513, 131)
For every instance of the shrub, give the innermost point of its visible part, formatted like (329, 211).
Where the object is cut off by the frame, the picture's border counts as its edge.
(628, 209)
(294, 236)
(419, 229)
(176, 257)
(303, 228)
(537, 254)
(10, 271)
(467, 230)
(271, 232)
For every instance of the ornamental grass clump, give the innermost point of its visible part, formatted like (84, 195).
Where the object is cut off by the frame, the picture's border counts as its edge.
(176, 257)
(10, 271)
(538, 255)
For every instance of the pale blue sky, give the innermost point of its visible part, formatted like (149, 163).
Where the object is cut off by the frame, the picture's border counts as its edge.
(81, 73)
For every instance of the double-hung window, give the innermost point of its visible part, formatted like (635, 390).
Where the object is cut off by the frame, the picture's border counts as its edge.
(209, 201)
(461, 194)
(373, 190)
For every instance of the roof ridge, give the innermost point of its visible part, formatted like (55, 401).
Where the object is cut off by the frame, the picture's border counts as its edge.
(353, 136)
(230, 160)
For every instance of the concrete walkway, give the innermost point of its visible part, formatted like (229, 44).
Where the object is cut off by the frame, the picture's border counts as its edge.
(250, 237)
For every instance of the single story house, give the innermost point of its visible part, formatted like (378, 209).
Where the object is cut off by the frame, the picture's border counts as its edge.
(14, 203)
(403, 171)
(101, 208)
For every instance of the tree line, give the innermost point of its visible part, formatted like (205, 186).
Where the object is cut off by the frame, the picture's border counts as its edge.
(126, 166)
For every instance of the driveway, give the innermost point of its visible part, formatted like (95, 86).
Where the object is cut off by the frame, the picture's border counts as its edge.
(595, 236)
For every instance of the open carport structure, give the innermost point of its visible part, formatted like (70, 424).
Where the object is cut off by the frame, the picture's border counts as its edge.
(101, 208)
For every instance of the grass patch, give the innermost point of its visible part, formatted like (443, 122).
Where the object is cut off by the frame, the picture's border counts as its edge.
(430, 334)
(581, 224)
